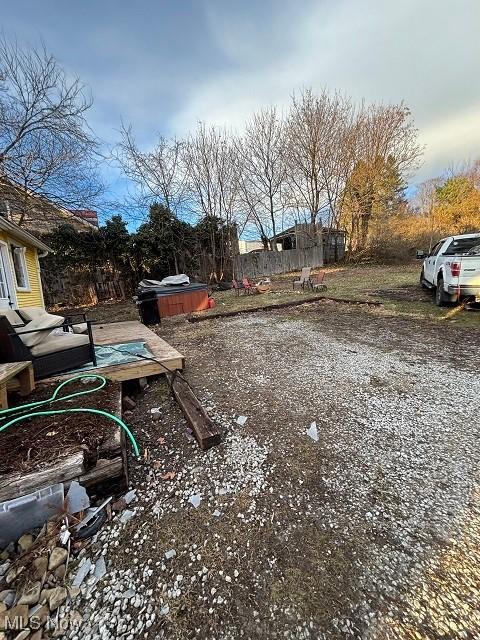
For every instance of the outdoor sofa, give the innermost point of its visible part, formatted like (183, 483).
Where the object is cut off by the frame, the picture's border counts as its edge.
(51, 352)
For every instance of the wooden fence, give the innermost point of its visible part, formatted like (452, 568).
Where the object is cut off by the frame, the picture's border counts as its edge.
(266, 263)
(72, 288)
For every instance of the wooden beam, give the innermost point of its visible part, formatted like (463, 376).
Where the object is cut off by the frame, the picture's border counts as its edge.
(205, 431)
(27, 381)
(19, 484)
(3, 396)
(280, 305)
(105, 470)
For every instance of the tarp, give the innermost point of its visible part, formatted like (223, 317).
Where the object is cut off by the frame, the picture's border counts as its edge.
(180, 279)
(152, 292)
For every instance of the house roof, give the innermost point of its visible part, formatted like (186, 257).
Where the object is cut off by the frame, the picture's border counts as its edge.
(86, 214)
(15, 230)
(291, 232)
(56, 212)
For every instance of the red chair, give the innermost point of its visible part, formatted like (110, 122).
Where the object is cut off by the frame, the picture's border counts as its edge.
(248, 286)
(317, 282)
(238, 286)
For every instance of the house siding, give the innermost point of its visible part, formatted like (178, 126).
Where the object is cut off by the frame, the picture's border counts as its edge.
(33, 297)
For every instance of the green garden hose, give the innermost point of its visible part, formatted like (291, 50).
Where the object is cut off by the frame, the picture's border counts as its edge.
(55, 398)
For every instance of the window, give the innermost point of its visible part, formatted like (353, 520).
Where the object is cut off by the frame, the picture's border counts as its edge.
(20, 266)
(461, 246)
(437, 248)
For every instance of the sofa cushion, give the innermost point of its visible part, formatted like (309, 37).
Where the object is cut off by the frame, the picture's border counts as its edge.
(13, 317)
(80, 328)
(46, 321)
(54, 344)
(32, 313)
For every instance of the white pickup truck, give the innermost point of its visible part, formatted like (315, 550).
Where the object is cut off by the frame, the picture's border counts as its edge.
(453, 269)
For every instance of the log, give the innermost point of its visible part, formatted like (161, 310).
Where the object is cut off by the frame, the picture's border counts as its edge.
(205, 431)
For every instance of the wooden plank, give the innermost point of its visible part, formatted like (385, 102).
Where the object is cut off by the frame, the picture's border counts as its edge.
(141, 369)
(281, 305)
(3, 397)
(19, 484)
(26, 380)
(105, 469)
(204, 430)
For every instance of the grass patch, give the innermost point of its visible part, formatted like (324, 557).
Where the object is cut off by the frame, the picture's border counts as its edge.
(396, 287)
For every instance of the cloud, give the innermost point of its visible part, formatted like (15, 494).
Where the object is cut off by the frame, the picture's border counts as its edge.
(386, 52)
(162, 66)
(451, 141)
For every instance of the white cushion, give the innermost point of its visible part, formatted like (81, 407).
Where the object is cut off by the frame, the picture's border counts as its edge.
(32, 313)
(46, 321)
(12, 316)
(80, 328)
(54, 344)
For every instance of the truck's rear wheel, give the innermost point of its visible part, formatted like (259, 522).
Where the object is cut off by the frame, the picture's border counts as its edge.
(441, 298)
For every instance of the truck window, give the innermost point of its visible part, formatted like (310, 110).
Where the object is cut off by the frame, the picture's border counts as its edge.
(436, 248)
(461, 246)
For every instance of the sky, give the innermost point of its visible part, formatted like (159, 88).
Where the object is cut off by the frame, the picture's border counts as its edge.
(164, 65)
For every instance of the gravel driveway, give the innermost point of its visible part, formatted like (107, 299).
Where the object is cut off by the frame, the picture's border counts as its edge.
(369, 531)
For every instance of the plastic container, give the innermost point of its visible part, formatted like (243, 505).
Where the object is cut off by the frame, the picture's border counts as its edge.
(27, 512)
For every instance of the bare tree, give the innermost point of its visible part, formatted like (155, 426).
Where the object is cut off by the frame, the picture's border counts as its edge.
(212, 173)
(159, 174)
(46, 147)
(320, 155)
(261, 152)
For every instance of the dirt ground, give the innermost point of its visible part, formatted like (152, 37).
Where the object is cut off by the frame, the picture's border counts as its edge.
(370, 531)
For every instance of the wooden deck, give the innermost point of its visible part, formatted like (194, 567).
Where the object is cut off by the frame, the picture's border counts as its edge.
(133, 331)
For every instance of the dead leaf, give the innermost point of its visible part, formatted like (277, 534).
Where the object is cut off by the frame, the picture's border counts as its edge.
(170, 475)
(52, 433)
(157, 464)
(161, 441)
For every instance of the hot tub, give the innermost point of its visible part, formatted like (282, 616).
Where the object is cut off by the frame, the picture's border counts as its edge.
(160, 302)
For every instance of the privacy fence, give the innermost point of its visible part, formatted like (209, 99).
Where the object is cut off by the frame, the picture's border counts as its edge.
(72, 288)
(266, 263)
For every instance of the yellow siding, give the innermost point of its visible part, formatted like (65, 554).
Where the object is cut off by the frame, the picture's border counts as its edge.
(33, 297)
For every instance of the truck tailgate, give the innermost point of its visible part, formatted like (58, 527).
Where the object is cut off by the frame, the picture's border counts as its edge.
(465, 270)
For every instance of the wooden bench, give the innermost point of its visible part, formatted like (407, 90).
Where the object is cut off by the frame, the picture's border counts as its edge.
(15, 376)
